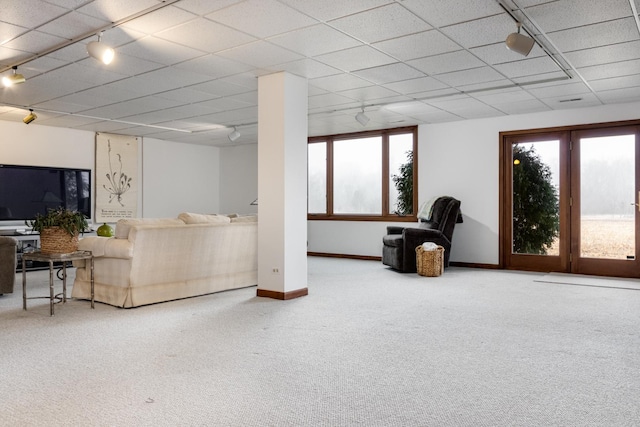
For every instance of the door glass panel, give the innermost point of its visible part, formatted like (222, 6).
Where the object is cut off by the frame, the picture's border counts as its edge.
(607, 197)
(535, 209)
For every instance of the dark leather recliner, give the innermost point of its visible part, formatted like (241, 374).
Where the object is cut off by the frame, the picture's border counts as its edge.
(399, 245)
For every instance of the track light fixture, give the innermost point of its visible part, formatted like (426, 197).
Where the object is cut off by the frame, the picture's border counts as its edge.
(100, 51)
(13, 79)
(519, 42)
(362, 118)
(30, 117)
(235, 134)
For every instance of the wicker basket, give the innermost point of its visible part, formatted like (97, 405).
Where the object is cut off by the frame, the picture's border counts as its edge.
(430, 263)
(55, 240)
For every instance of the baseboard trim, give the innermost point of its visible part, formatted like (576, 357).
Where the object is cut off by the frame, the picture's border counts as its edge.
(362, 257)
(475, 265)
(282, 295)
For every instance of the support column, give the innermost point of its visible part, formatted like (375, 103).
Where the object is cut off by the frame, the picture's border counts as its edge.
(282, 186)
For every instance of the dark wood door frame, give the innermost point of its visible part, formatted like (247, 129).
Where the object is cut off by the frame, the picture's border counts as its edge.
(568, 178)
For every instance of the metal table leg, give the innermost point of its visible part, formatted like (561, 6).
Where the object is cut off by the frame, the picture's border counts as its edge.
(24, 285)
(51, 294)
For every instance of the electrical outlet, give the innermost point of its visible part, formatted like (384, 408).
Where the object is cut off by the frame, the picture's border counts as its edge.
(275, 270)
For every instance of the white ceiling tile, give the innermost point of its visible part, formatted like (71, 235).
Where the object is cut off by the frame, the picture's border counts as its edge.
(220, 88)
(605, 54)
(72, 24)
(426, 43)
(484, 31)
(522, 107)
(356, 58)
(563, 102)
(261, 18)
(504, 96)
(601, 34)
(185, 95)
(67, 4)
(390, 73)
(485, 86)
(214, 66)
(127, 65)
(72, 53)
(57, 105)
(203, 7)
(99, 96)
(423, 84)
(446, 12)
(528, 67)
(615, 69)
(616, 83)
(11, 56)
(206, 36)
(329, 9)
(260, 54)
(553, 16)
(34, 42)
(446, 62)
(437, 117)
(162, 51)
(29, 13)
(370, 93)
(473, 76)
(9, 32)
(64, 120)
(223, 104)
(246, 99)
(159, 20)
(382, 23)
(559, 90)
(329, 100)
(620, 95)
(339, 82)
(307, 68)
(115, 10)
(174, 113)
(497, 53)
(40, 65)
(136, 106)
(314, 40)
(92, 76)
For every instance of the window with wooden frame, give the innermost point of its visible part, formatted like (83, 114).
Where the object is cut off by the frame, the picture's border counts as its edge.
(364, 176)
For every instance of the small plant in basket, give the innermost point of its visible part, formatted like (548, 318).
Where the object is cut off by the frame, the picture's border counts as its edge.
(59, 229)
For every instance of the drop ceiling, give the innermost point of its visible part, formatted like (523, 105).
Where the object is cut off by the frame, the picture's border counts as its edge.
(187, 70)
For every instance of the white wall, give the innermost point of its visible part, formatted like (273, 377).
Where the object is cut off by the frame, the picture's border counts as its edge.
(179, 177)
(238, 178)
(176, 177)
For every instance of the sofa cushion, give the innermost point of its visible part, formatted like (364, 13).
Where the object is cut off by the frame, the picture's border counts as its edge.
(124, 225)
(193, 218)
(247, 218)
(393, 240)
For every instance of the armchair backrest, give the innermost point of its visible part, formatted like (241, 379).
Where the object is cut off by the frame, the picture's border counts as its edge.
(444, 215)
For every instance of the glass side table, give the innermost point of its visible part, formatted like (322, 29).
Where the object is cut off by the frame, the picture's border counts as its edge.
(51, 258)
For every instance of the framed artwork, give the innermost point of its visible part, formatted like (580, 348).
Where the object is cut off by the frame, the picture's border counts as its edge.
(116, 177)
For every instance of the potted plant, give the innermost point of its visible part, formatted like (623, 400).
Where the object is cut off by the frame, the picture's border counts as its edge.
(59, 229)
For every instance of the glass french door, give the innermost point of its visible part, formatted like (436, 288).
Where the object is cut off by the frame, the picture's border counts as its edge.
(604, 215)
(571, 201)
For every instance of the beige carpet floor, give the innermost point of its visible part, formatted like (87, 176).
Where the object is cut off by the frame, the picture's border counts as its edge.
(368, 346)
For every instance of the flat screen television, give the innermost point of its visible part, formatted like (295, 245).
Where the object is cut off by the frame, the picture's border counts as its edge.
(28, 190)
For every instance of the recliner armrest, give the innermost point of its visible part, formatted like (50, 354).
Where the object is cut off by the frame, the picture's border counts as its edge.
(394, 229)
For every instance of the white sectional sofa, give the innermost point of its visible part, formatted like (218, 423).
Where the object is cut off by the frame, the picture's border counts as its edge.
(156, 260)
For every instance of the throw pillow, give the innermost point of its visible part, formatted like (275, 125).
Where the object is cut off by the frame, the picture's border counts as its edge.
(193, 218)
